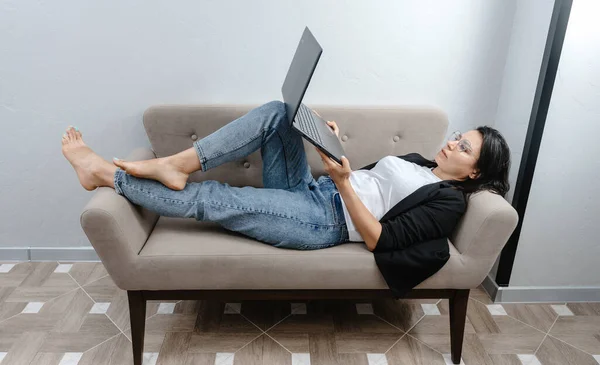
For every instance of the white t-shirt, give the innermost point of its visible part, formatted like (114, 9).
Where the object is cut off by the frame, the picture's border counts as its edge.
(385, 185)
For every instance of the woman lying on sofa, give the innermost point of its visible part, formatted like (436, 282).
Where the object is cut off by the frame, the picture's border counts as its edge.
(402, 207)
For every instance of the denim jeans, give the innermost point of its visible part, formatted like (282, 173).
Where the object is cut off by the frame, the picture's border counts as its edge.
(293, 210)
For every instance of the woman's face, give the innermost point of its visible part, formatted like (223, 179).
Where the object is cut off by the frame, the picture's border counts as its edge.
(457, 163)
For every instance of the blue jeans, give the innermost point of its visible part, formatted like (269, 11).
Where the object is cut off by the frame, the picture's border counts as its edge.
(293, 210)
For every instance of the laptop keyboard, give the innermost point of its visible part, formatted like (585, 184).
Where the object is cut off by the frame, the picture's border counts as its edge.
(307, 123)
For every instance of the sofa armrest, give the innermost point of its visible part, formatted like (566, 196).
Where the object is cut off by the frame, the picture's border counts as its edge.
(116, 228)
(483, 231)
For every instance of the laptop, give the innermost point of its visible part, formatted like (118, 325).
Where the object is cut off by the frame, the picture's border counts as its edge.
(312, 127)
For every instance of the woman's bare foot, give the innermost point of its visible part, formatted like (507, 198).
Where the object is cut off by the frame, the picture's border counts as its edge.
(171, 171)
(93, 171)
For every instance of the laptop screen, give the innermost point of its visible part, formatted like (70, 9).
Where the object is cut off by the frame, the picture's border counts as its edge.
(301, 70)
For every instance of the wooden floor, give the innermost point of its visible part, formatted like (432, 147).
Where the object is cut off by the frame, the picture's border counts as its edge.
(72, 313)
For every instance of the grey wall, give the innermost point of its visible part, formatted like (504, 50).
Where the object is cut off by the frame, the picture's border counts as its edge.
(98, 65)
(559, 244)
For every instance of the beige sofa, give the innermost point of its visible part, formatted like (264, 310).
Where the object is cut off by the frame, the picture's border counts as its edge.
(156, 257)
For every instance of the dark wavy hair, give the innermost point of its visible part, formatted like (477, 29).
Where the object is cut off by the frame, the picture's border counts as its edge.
(493, 165)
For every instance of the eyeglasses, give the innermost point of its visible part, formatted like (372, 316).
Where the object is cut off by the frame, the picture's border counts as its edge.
(463, 145)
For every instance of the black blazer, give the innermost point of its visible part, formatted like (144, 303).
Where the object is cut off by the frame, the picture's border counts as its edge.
(413, 243)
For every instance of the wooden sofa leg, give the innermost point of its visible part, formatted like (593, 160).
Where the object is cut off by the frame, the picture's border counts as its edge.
(137, 316)
(458, 316)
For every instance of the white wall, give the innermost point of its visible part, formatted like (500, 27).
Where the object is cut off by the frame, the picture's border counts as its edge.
(559, 243)
(520, 77)
(519, 82)
(98, 65)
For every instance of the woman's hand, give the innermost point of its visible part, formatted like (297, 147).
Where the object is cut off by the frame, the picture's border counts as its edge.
(339, 174)
(332, 124)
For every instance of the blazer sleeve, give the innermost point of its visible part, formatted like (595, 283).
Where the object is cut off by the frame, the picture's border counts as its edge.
(434, 219)
(369, 166)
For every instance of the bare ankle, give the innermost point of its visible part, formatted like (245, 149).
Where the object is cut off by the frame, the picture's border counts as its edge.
(186, 161)
(106, 175)
(173, 160)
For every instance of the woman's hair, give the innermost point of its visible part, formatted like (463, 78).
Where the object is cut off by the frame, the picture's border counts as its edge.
(493, 165)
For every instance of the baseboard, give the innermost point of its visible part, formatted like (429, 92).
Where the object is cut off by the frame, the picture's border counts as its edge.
(539, 294)
(48, 254)
(490, 287)
(14, 254)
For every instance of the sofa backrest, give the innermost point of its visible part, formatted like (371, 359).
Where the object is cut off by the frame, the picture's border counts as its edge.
(367, 134)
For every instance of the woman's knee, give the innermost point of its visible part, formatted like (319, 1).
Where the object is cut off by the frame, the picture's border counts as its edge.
(277, 109)
(276, 105)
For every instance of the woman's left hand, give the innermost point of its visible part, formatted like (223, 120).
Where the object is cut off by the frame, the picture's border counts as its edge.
(339, 174)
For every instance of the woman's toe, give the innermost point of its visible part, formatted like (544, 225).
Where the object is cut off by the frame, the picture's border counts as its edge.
(119, 163)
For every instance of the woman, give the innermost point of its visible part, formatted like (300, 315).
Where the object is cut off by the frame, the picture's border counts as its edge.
(390, 205)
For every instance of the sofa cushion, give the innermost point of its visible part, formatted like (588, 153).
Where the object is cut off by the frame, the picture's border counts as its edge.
(188, 254)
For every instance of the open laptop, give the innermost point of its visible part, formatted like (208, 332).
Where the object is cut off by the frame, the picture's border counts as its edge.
(303, 119)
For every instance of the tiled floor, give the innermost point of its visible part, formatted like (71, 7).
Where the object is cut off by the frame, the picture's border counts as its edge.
(72, 313)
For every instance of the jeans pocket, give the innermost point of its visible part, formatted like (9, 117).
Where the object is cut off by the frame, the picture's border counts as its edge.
(336, 208)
